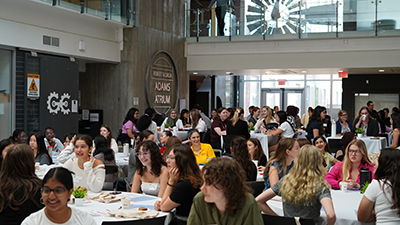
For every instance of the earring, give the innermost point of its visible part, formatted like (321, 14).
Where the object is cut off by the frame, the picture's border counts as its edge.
(41, 200)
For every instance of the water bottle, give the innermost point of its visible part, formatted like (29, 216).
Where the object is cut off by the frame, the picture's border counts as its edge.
(50, 150)
(126, 149)
(333, 128)
(365, 176)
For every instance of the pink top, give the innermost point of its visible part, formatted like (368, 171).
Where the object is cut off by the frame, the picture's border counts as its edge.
(335, 175)
(129, 125)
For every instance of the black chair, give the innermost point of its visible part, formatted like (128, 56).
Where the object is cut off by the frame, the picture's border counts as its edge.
(257, 187)
(218, 153)
(152, 221)
(205, 137)
(334, 145)
(228, 143)
(110, 169)
(273, 220)
(387, 138)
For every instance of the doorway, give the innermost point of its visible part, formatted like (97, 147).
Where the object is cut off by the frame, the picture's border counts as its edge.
(283, 97)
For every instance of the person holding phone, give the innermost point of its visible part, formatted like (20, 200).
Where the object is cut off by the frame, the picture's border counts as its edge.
(89, 172)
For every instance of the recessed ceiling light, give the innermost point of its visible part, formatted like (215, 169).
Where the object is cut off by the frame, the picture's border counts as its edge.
(381, 71)
(267, 72)
(228, 72)
(195, 73)
(304, 71)
(340, 71)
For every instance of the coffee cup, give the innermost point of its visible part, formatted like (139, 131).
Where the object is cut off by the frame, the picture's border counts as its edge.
(126, 203)
(343, 186)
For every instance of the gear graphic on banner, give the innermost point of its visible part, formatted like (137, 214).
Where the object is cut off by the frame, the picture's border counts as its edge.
(54, 105)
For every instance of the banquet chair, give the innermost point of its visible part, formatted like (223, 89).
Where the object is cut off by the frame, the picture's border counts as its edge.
(334, 145)
(110, 169)
(257, 187)
(228, 143)
(152, 221)
(273, 220)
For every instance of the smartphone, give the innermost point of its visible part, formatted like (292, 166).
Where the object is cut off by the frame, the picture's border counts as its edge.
(115, 192)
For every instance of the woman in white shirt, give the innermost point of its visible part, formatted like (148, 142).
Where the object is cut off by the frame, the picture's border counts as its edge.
(197, 122)
(381, 200)
(105, 131)
(88, 171)
(56, 191)
(151, 172)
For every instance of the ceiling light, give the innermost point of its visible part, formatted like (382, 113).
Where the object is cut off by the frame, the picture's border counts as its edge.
(340, 71)
(304, 71)
(381, 71)
(195, 73)
(267, 72)
(228, 72)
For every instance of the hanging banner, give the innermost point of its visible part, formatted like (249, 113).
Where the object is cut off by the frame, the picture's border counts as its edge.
(33, 85)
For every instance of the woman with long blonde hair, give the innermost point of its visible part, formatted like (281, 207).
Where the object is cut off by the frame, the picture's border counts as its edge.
(280, 164)
(303, 190)
(266, 118)
(356, 157)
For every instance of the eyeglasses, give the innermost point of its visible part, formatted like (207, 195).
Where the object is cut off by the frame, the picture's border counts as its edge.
(356, 152)
(171, 157)
(142, 153)
(59, 191)
(47, 134)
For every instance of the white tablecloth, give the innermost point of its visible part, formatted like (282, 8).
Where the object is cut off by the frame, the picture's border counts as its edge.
(99, 210)
(344, 203)
(374, 145)
(265, 140)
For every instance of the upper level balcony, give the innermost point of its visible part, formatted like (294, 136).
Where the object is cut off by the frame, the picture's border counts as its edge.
(293, 19)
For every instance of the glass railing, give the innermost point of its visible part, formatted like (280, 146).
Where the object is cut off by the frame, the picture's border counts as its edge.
(123, 11)
(294, 19)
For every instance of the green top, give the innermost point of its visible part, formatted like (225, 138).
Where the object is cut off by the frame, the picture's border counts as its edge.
(207, 213)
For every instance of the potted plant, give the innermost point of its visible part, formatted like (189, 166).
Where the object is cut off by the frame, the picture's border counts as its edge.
(79, 193)
(251, 128)
(359, 132)
(166, 126)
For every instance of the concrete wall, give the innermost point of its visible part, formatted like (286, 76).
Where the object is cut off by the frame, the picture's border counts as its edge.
(112, 87)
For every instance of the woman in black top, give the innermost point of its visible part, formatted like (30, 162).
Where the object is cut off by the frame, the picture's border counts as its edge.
(19, 186)
(36, 141)
(236, 126)
(256, 152)
(365, 122)
(242, 156)
(184, 183)
(315, 125)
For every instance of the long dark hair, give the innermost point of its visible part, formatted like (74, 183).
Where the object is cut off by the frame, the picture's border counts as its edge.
(187, 166)
(241, 155)
(259, 152)
(100, 143)
(155, 156)
(316, 116)
(220, 111)
(327, 149)
(380, 119)
(144, 121)
(185, 121)
(396, 120)
(389, 173)
(3, 144)
(130, 115)
(18, 173)
(144, 134)
(41, 146)
(282, 116)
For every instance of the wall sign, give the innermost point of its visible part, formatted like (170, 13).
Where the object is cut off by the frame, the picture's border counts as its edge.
(54, 104)
(33, 85)
(161, 83)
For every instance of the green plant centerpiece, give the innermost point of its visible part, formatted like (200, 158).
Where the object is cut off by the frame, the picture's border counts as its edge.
(359, 131)
(251, 127)
(79, 192)
(166, 125)
(363, 188)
